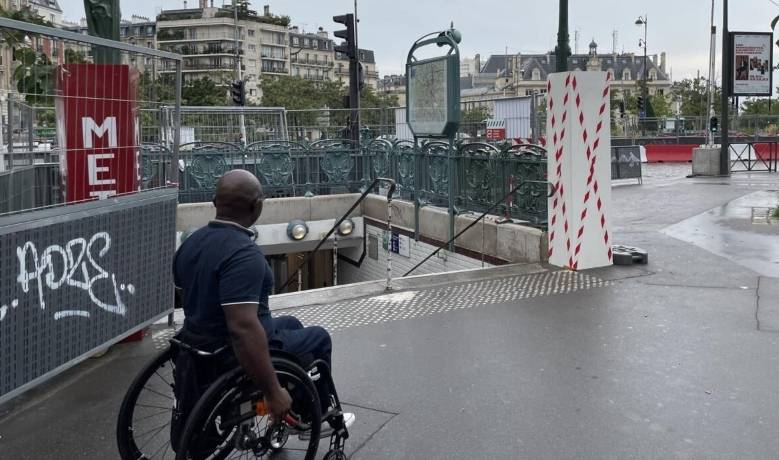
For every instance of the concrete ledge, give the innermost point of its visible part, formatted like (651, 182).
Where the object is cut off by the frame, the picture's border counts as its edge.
(511, 242)
(275, 210)
(334, 294)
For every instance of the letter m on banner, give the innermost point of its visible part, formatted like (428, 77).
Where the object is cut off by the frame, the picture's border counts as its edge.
(97, 116)
(89, 127)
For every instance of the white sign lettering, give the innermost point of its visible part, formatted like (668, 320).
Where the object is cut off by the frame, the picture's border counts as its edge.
(89, 127)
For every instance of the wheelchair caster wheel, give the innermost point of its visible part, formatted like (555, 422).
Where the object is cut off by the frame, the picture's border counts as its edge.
(279, 434)
(335, 454)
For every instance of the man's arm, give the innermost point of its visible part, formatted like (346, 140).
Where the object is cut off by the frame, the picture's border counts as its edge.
(251, 348)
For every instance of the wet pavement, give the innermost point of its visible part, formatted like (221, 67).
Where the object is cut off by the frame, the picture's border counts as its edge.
(675, 360)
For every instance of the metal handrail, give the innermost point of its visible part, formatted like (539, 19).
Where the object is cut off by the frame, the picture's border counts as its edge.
(367, 191)
(484, 214)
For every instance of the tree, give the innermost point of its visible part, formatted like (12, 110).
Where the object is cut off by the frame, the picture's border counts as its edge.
(694, 97)
(203, 92)
(754, 106)
(35, 74)
(473, 119)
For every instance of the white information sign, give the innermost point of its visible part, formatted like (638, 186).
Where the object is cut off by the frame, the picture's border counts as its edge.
(752, 64)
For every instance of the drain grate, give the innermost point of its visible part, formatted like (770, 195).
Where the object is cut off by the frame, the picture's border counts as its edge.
(413, 304)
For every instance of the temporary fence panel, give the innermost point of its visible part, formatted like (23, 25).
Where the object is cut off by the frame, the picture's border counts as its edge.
(517, 113)
(88, 105)
(403, 130)
(78, 278)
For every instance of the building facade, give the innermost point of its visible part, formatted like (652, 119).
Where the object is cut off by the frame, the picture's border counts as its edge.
(368, 61)
(312, 56)
(523, 75)
(138, 31)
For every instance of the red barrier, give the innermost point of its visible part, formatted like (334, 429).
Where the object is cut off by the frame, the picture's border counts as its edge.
(766, 151)
(669, 153)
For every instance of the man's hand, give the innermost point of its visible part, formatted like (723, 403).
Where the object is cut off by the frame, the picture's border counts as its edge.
(278, 404)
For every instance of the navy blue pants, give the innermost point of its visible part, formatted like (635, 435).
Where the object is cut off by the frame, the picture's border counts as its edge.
(306, 343)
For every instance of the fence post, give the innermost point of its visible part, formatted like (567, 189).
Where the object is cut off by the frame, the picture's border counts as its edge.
(174, 160)
(11, 131)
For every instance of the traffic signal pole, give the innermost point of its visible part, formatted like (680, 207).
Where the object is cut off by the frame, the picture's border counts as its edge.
(724, 163)
(349, 49)
(241, 120)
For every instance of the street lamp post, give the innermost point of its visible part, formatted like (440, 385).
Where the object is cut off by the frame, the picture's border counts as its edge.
(642, 21)
(563, 50)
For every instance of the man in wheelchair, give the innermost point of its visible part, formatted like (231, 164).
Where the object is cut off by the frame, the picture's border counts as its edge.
(224, 282)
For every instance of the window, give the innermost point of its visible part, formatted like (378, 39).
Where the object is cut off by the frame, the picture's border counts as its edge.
(149, 45)
(626, 74)
(251, 32)
(314, 44)
(536, 74)
(149, 30)
(295, 41)
(306, 42)
(611, 74)
(252, 92)
(661, 92)
(652, 74)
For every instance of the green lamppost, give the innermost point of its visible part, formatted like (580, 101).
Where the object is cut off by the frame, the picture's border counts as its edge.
(563, 50)
(103, 17)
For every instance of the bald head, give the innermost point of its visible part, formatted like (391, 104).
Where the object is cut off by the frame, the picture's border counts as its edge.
(238, 197)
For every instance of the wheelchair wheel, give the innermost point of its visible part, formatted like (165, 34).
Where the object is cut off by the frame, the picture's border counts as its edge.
(226, 424)
(143, 426)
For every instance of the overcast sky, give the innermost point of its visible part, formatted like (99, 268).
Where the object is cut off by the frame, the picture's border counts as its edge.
(679, 27)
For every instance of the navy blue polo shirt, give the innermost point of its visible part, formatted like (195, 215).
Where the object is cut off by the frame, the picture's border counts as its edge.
(218, 266)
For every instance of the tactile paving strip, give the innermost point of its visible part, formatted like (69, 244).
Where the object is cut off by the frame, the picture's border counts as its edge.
(418, 303)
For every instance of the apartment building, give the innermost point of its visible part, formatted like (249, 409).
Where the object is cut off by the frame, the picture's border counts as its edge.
(368, 61)
(138, 31)
(311, 55)
(206, 38)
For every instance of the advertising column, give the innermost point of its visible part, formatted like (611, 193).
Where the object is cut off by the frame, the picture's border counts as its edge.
(97, 113)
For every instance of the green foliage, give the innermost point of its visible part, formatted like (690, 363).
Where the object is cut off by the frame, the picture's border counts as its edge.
(74, 57)
(660, 106)
(776, 212)
(203, 92)
(694, 97)
(296, 93)
(754, 106)
(34, 76)
(473, 119)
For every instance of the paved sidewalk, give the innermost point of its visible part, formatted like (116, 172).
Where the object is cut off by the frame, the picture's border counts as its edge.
(677, 359)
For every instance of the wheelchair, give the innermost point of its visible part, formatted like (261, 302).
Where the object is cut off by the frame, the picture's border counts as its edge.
(229, 419)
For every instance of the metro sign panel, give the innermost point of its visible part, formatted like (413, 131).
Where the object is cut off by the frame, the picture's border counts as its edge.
(496, 130)
(96, 114)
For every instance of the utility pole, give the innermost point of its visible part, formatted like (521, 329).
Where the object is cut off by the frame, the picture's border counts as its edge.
(241, 121)
(710, 89)
(724, 161)
(563, 50)
(357, 121)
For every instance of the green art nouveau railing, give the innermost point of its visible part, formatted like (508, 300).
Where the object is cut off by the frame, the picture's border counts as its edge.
(483, 173)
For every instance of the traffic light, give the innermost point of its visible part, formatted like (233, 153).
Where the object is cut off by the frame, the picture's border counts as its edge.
(360, 77)
(714, 124)
(348, 48)
(238, 92)
(622, 110)
(640, 103)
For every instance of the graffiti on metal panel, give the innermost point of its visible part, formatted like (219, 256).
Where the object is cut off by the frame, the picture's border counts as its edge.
(75, 265)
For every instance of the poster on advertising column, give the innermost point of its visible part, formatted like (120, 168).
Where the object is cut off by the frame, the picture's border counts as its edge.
(96, 117)
(752, 57)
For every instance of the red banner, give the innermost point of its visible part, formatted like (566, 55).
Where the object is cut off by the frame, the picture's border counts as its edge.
(96, 117)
